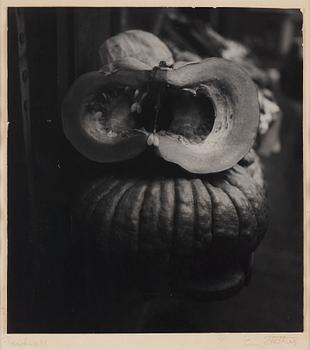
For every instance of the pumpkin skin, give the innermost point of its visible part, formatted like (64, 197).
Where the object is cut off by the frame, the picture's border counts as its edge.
(135, 43)
(162, 231)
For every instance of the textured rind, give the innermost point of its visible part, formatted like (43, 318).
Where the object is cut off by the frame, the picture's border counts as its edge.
(144, 46)
(163, 227)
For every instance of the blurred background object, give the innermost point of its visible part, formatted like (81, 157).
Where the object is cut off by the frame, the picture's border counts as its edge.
(62, 43)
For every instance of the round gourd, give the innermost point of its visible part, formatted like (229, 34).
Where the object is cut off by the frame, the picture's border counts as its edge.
(164, 228)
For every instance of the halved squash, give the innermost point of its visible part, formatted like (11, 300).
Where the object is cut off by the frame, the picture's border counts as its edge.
(202, 116)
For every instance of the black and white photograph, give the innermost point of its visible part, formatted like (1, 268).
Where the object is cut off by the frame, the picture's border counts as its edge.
(155, 170)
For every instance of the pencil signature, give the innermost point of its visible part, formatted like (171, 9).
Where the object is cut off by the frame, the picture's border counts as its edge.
(269, 340)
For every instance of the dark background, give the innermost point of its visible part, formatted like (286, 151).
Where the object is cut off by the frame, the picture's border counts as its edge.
(61, 45)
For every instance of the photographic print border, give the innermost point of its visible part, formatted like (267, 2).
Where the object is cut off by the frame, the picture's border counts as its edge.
(153, 341)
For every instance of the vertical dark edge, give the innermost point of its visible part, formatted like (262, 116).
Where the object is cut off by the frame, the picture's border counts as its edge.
(65, 66)
(25, 101)
(66, 73)
(124, 17)
(159, 21)
(33, 239)
(116, 19)
(80, 31)
(17, 189)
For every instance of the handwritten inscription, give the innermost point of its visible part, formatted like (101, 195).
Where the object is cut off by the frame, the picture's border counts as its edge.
(24, 342)
(269, 340)
(280, 339)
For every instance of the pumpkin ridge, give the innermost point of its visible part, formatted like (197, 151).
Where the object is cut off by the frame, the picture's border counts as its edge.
(244, 192)
(95, 189)
(121, 229)
(258, 191)
(150, 212)
(212, 211)
(254, 169)
(105, 217)
(218, 185)
(167, 223)
(161, 200)
(184, 225)
(258, 208)
(194, 218)
(141, 188)
(85, 197)
(198, 186)
(96, 203)
(172, 260)
(147, 212)
(164, 237)
(259, 226)
(139, 225)
(224, 211)
(247, 233)
(198, 244)
(153, 252)
(119, 200)
(238, 169)
(86, 193)
(184, 230)
(243, 221)
(196, 229)
(166, 233)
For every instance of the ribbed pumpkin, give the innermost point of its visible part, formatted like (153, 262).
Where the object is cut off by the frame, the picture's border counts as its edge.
(165, 229)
